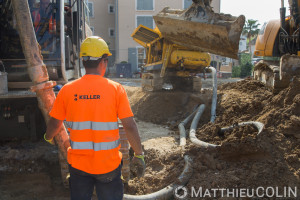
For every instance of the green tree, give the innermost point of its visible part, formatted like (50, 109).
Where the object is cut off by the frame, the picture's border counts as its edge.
(251, 30)
(236, 71)
(245, 58)
(246, 70)
(245, 67)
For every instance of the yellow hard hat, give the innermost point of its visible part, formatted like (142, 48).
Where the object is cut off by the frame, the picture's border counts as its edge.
(94, 47)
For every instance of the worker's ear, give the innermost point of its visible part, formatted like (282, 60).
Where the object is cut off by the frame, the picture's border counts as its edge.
(102, 67)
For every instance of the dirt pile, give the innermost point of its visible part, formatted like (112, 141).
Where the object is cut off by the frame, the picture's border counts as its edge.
(211, 133)
(281, 111)
(165, 107)
(245, 159)
(164, 165)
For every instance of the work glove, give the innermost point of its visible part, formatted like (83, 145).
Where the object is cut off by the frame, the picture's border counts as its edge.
(138, 166)
(51, 141)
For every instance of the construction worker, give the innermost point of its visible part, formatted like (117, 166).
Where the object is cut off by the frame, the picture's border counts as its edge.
(91, 106)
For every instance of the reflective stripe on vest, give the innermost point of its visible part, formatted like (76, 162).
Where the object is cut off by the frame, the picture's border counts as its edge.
(95, 146)
(97, 126)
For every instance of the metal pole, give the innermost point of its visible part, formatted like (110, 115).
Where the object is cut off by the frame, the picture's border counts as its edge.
(78, 34)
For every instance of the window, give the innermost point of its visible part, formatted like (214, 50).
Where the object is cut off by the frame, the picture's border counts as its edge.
(144, 4)
(145, 20)
(111, 32)
(141, 56)
(187, 3)
(111, 8)
(91, 9)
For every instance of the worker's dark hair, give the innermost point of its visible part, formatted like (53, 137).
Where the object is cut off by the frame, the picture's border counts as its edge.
(93, 63)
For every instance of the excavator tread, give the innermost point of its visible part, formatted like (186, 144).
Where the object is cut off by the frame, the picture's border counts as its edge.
(151, 82)
(267, 72)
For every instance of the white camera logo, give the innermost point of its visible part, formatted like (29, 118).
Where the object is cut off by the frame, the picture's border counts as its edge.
(180, 192)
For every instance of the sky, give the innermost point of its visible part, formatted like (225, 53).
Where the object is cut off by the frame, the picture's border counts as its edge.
(261, 10)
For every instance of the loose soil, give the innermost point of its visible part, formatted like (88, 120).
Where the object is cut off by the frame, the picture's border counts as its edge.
(244, 159)
(30, 171)
(165, 107)
(164, 163)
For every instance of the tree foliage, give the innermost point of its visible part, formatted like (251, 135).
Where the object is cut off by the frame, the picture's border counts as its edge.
(245, 68)
(245, 58)
(236, 71)
(251, 30)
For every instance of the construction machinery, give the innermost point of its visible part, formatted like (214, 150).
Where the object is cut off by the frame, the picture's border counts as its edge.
(40, 41)
(59, 27)
(278, 43)
(177, 50)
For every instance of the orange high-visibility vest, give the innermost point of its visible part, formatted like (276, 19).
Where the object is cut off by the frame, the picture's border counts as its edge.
(91, 106)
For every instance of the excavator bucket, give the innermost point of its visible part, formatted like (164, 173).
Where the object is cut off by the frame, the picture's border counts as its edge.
(200, 28)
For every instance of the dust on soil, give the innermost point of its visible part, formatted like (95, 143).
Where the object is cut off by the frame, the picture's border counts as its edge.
(245, 159)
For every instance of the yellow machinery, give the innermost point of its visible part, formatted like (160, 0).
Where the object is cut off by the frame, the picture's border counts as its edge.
(176, 50)
(160, 55)
(278, 43)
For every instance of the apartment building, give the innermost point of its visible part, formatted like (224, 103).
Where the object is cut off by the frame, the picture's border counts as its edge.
(115, 20)
(102, 21)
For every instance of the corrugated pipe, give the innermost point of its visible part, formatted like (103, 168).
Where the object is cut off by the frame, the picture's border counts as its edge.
(258, 125)
(214, 96)
(193, 129)
(167, 192)
(181, 128)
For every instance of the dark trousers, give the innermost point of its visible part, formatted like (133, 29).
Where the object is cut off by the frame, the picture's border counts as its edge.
(108, 186)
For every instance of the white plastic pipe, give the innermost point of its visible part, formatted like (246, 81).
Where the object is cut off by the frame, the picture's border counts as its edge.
(193, 129)
(258, 125)
(181, 128)
(214, 97)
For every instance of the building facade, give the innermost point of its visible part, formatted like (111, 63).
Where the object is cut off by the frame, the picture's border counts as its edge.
(115, 21)
(102, 22)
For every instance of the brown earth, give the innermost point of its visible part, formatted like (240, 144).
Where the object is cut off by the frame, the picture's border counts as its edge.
(164, 163)
(165, 107)
(244, 159)
(30, 171)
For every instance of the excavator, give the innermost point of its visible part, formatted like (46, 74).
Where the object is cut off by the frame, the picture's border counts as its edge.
(178, 49)
(278, 43)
